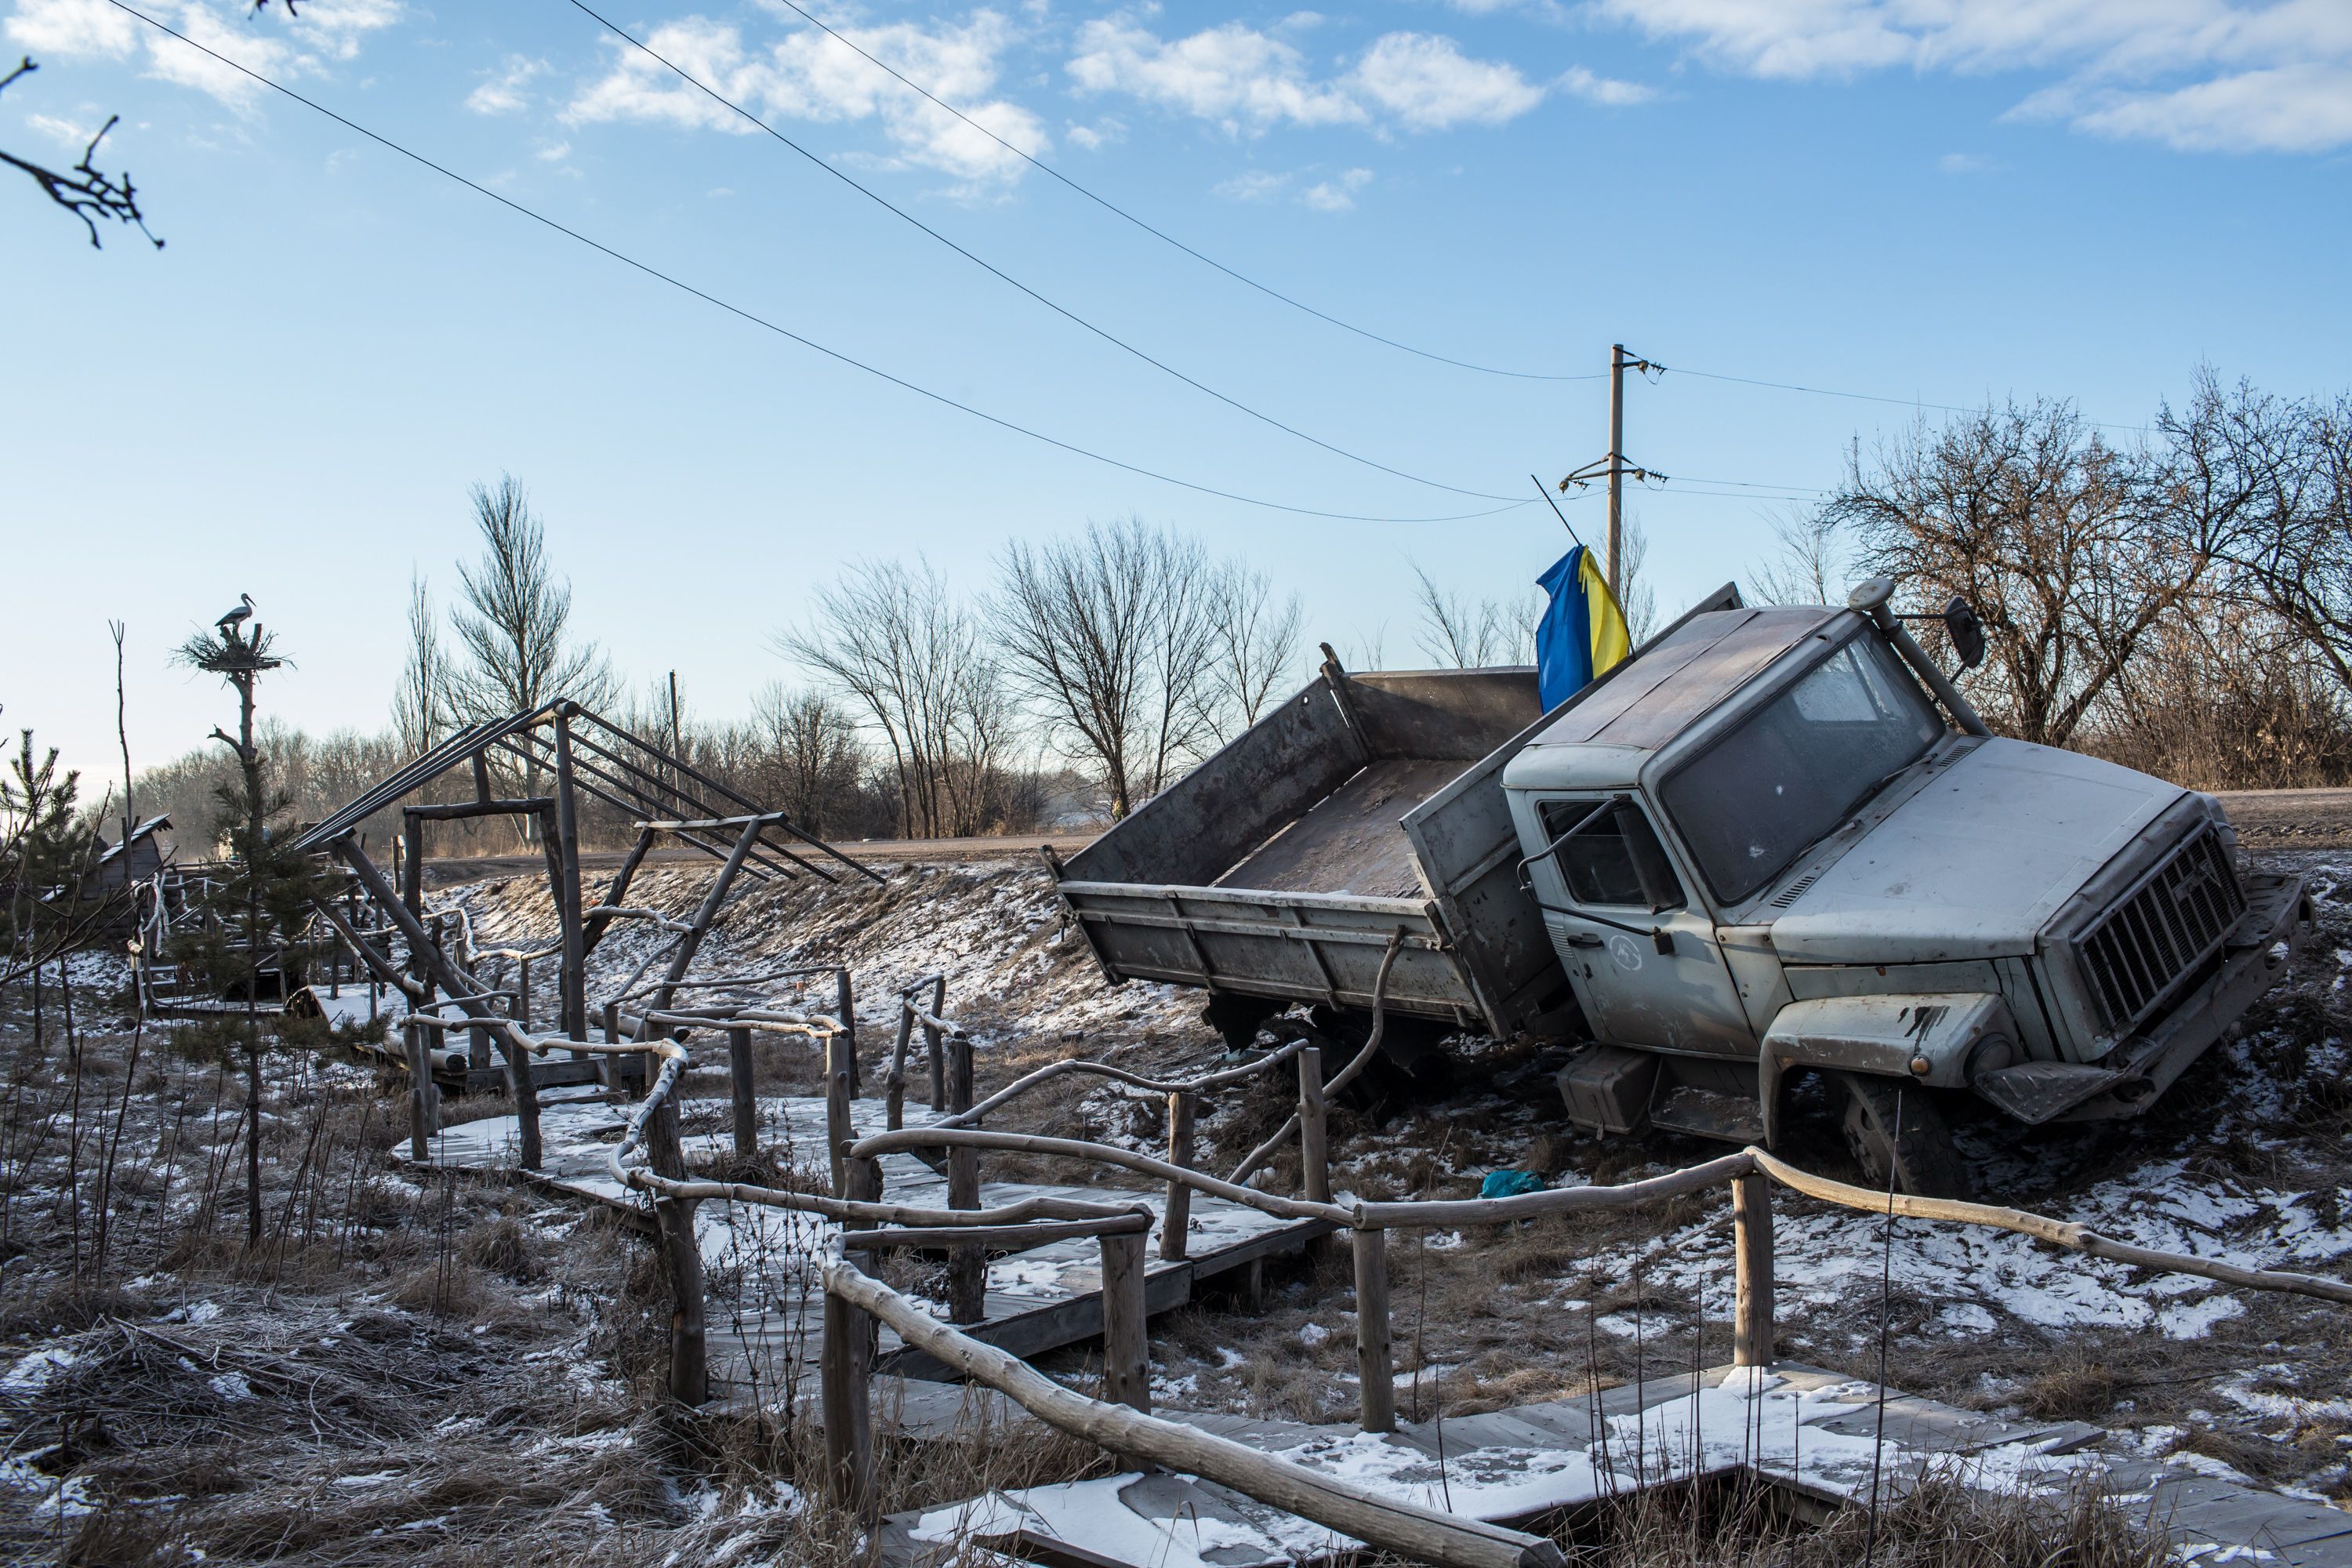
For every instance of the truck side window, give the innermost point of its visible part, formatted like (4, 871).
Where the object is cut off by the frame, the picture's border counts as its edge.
(1617, 860)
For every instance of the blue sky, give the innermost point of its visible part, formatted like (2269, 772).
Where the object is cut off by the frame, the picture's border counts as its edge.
(1925, 199)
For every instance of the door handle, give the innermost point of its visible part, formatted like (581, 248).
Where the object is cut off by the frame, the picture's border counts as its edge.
(1581, 938)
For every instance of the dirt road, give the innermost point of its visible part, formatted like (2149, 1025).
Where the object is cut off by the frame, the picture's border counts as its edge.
(2292, 818)
(2265, 818)
(442, 873)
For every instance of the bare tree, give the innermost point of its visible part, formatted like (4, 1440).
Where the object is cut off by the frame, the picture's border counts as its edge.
(421, 702)
(82, 190)
(1807, 563)
(1111, 639)
(1257, 647)
(1460, 635)
(2289, 464)
(2070, 549)
(915, 663)
(811, 754)
(1635, 599)
(514, 623)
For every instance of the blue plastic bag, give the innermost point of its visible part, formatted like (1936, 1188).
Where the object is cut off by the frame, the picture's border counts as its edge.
(1510, 1184)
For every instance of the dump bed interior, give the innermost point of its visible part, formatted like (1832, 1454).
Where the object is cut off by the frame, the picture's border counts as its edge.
(1308, 800)
(1282, 867)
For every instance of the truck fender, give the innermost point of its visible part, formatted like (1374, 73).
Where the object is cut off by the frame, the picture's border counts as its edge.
(1941, 1038)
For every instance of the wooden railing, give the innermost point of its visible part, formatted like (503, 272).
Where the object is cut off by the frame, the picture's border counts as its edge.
(647, 1159)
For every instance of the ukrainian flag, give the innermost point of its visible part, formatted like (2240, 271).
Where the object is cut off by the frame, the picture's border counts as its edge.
(1582, 632)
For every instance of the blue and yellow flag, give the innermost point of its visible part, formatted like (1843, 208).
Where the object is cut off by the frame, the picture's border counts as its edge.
(1582, 632)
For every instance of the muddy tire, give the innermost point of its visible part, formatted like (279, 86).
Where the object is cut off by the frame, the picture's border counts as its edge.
(1920, 1154)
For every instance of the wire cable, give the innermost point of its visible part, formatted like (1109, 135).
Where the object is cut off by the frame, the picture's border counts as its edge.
(1001, 275)
(1161, 235)
(1860, 396)
(758, 320)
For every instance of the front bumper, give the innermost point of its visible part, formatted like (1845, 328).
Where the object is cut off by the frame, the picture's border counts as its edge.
(2256, 955)
(2252, 957)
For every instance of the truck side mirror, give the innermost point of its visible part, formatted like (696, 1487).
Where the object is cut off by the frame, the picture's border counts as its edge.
(1966, 630)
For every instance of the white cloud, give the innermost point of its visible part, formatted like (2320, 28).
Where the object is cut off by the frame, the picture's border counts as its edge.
(2284, 108)
(1253, 185)
(72, 27)
(807, 75)
(1235, 76)
(1429, 84)
(1263, 186)
(64, 132)
(1101, 133)
(1247, 81)
(257, 45)
(1963, 164)
(1337, 196)
(1607, 91)
(274, 45)
(503, 91)
(552, 152)
(2219, 75)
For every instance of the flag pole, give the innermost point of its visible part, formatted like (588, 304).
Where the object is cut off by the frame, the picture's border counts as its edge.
(1555, 508)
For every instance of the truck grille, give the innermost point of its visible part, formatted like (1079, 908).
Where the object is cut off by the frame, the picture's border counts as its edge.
(2163, 929)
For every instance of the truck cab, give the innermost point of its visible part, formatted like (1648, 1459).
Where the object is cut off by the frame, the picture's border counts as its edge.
(1779, 840)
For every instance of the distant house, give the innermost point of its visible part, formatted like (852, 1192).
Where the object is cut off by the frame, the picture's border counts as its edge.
(135, 859)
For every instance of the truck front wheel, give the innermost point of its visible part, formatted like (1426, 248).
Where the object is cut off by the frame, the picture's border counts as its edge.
(1894, 1127)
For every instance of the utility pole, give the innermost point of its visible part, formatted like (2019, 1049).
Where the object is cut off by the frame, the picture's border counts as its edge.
(1614, 465)
(1616, 459)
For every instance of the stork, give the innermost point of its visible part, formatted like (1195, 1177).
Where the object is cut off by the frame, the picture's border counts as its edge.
(244, 612)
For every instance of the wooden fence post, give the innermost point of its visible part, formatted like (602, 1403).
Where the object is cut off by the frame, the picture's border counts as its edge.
(1127, 1350)
(1374, 1370)
(1314, 1147)
(847, 1370)
(837, 1133)
(845, 1003)
(689, 1365)
(1179, 1221)
(894, 1088)
(420, 1118)
(522, 984)
(932, 1039)
(1752, 1241)
(747, 1104)
(525, 1090)
(967, 1265)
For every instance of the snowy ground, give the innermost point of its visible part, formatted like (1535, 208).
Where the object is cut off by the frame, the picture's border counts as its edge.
(2244, 1161)
(525, 1325)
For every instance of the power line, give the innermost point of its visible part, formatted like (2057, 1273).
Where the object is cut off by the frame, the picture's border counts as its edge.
(1749, 484)
(1001, 275)
(1860, 396)
(758, 320)
(1161, 235)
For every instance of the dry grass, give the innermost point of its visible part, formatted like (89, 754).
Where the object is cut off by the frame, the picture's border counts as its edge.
(2075, 1388)
(1939, 1523)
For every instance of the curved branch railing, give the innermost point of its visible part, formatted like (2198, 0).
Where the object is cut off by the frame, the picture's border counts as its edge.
(1052, 1070)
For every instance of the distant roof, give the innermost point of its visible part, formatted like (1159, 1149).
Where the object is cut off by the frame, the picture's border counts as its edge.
(1644, 704)
(144, 830)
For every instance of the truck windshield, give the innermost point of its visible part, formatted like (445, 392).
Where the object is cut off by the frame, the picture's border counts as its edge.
(1756, 799)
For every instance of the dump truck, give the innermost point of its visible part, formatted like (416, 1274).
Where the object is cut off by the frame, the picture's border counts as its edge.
(1777, 842)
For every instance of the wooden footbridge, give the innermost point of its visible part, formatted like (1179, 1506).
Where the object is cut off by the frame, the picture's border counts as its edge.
(1032, 1267)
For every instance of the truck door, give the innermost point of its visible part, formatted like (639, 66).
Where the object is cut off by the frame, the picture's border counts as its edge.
(1646, 967)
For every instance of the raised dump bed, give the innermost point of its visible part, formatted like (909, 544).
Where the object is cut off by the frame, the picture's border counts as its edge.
(1283, 866)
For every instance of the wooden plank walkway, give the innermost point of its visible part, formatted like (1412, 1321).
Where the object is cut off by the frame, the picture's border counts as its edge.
(765, 1316)
(1795, 1426)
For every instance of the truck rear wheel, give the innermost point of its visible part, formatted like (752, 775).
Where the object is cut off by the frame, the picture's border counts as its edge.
(1919, 1152)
